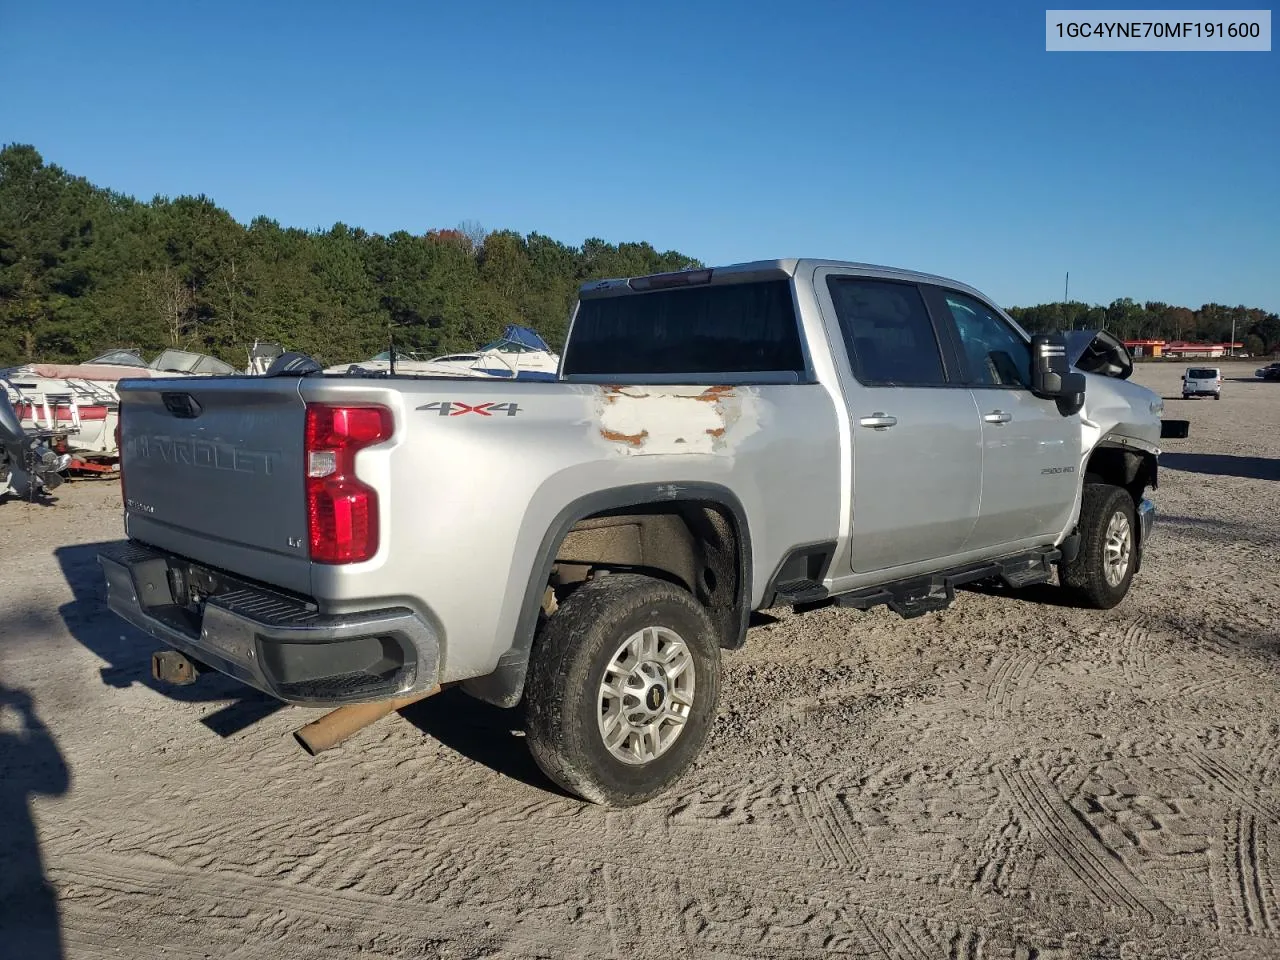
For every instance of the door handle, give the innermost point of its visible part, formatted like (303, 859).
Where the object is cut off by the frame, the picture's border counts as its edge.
(878, 421)
(997, 416)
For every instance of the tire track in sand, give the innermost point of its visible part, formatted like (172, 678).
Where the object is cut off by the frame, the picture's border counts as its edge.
(1247, 905)
(1135, 663)
(633, 926)
(897, 941)
(1007, 683)
(1098, 868)
(832, 827)
(1265, 766)
(965, 945)
(1218, 773)
(291, 908)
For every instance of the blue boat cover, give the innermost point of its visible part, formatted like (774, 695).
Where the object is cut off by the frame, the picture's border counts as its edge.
(525, 337)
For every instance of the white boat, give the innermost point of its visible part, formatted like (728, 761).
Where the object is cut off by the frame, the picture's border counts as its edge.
(519, 354)
(81, 398)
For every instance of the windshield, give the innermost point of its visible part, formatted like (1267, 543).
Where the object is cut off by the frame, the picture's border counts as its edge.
(120, 358)
(1202, 373)
(183, 361)
(508, 346)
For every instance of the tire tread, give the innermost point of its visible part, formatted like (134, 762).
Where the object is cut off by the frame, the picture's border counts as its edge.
(1083, 578)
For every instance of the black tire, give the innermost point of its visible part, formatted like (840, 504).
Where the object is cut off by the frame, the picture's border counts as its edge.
(1085, 577)
(568, 664)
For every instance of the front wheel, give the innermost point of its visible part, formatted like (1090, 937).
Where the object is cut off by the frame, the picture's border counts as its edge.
(622, 689)
(1102, 571)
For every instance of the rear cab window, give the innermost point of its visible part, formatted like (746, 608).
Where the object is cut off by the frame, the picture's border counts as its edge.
(742, 329)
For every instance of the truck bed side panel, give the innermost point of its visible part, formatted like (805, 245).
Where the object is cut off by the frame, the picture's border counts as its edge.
(470, 495)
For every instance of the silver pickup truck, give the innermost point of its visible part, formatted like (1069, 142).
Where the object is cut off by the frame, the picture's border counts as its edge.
(716, 442)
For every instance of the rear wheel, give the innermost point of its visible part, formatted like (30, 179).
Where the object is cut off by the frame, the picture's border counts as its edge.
(1102, 571)
(622, 689)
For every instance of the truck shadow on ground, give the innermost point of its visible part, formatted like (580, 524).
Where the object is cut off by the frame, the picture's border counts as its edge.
(482, 733)
(128, 650)
(1218, 532)
(1041, 594)
(32, 765)
(1222, 465)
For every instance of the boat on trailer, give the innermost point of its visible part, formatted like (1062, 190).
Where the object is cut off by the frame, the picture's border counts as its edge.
(79, 400)
(519, 354)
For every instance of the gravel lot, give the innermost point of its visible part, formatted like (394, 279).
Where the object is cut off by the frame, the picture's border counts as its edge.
(1009, 778)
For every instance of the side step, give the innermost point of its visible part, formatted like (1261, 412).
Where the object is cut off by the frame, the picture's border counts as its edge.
(917, 596)
(801, 592)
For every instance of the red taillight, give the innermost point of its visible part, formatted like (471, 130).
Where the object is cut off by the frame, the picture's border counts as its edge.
(342, 512)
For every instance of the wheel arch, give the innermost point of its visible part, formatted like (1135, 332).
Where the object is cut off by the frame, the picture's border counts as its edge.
(1125, 463)
(504, 687)
(1122, 462)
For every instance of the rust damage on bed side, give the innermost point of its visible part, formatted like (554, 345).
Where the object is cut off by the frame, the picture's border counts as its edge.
(633, 439)
(713, 394)
(674, 419)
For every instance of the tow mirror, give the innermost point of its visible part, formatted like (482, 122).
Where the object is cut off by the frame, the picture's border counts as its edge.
(1051, 375)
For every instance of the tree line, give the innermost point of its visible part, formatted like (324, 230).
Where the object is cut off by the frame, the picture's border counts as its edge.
(84, 269)
(1257, 329)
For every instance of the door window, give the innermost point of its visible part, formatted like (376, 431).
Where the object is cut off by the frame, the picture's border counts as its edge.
(887, 331)
(996, 356)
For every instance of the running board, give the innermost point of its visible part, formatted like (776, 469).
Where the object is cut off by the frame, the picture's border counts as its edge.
(916, 596)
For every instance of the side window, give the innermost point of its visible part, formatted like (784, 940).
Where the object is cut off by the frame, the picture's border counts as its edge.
(887, 331)
(996, 355)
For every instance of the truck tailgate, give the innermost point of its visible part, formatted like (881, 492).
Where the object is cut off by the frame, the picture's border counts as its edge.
(213, 471)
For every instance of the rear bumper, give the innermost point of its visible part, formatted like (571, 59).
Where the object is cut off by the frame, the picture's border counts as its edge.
(273, 642)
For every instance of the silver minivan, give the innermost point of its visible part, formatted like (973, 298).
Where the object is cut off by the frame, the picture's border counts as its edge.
(1202, 382)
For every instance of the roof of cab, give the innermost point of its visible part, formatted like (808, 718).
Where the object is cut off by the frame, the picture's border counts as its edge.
(787, 266)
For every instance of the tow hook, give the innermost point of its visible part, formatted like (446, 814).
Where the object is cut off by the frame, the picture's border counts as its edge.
(169, 666)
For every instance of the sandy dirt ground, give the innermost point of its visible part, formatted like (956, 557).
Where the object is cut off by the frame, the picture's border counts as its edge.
(1010, 778)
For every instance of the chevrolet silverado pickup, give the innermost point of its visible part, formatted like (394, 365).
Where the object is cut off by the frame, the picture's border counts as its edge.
(715, 442)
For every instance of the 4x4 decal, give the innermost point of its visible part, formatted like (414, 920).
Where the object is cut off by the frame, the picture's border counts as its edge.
(455, 408)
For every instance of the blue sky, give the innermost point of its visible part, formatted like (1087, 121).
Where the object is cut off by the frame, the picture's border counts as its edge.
(940, 137)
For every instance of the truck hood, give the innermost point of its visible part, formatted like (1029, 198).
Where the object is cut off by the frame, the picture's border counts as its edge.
(1115, 408)
(1096, 351)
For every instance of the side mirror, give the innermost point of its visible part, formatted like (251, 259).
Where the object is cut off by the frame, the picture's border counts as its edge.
(1051, 375)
